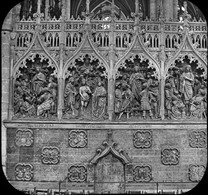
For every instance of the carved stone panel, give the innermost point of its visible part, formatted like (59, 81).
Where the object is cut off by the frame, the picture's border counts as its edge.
(142, 139)
(170, 156)
(50, 155)
(23, 172)
(196, 172)
(35, 89)
(142, 173)
(77, 173)
(24, 137)
(77, 138)
(198, 139)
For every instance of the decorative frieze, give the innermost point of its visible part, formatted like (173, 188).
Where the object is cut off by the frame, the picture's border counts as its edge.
(24, 137)
(23, 172)
(196, 172)
(142, 173)
(77, 173)
(198, 139)
(142, 139)
(170, 156)
(50, 155)
(77, 138)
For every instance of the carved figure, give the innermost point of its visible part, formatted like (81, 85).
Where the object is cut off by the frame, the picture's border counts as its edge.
(84, 92)
(187, 81)
(178, 107)
(46, 104)
(145, 101)
(126, 100)
(70, 96)
(136, 80)
(198, 104)
(99, 101)
(38, 81)
(118, 98)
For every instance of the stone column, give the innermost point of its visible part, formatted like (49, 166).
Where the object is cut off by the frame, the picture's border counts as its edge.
(111, 97)
(162, 72)
(46, 9)
(175, 10)
(168, 9)
(6, 62)
(153, 9)
(68, 9)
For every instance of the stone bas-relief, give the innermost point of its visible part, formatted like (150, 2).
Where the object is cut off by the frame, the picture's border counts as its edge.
(35, 90)
(85, 94)
(104, 100)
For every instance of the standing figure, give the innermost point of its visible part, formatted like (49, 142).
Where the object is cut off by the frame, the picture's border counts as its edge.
(187, 81)
(84, 92)
(99, 101)
(118, 98)
(126, 100)
(136, 80)
(69, 95)
(168, 100)
(145, 101)
(38, 81)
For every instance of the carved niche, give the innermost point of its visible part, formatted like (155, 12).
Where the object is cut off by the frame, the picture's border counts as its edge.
(137, 90)
(185, 90)
(198, 139)
(142, 173)
(196, 172)
(50, 155)
(23, 172)
(85, 94)
(35, 89)
(77, 138)
(142, 139)
(77, 173)
(24, 137)
(170, 156)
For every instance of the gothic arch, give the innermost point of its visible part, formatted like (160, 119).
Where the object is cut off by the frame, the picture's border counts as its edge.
(190, 51)
(30, 54)
(86, 44)
(109, 146)
(192, 57)
(137, 48)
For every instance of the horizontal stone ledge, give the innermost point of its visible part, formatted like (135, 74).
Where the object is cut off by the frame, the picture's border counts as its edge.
(163, 125)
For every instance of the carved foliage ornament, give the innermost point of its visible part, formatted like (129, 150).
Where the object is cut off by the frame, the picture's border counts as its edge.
(142, 139)
(196, 172)
(50, 155)
(170, 156)
(77, 138)
(24, 137)
(23, 172)
(142, 173)
(198, 139)
(77, 174)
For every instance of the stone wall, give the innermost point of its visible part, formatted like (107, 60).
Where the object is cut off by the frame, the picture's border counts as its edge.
(175, 157)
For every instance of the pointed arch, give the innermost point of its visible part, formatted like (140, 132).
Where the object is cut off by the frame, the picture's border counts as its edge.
(142, 52)
(86, 41)
(30, 54)
(195, 55)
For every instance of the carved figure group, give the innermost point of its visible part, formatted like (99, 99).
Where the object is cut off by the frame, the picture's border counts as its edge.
(35, 94)
(137, 94)
(185, 94)
(85, 95)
